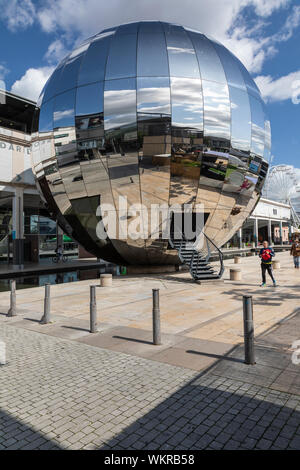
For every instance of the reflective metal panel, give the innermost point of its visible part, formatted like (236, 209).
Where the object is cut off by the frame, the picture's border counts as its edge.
(187, 139)
(212, 177)
(154, 135)
(89, 99)
(267, 149)
(94, 61)
(240, 119)
(187, 107)
(46, 117)
(121, 61)
(69, 75)
(130, 28)
(216, 113)
(182, 57)
(150, 27)
(120, 129)
(63, 112)
(209, 62)
(153, 97)
(258, 126)
(120, 110)
(230, 64)
(152, 57)
(250, 84)
(51, 85)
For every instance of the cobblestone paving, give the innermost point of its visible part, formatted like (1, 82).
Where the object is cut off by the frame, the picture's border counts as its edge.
(58, 394)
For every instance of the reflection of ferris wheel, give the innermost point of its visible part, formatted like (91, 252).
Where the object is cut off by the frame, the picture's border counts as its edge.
(282, 186)
(281, 183)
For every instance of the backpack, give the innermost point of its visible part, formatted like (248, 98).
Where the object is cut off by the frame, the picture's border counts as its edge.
(266, 254)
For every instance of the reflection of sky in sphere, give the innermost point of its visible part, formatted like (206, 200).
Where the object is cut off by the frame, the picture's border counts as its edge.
(159, 69)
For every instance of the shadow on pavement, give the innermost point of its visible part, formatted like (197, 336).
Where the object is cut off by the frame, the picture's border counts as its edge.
(15, 434)
(216, 356)
(133, 339)
(212, 412)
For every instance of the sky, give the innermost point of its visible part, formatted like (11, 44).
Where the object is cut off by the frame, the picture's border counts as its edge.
(264, 34)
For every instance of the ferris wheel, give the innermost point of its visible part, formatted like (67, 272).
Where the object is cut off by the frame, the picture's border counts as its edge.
(282, 185)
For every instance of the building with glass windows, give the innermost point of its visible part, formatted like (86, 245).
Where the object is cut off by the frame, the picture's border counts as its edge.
(159, 114)
(26, 230)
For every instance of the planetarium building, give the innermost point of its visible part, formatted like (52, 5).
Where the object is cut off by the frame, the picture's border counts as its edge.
(159, 114)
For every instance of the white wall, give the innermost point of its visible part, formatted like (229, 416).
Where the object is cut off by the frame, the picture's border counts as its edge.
(15, 161)
(272, 210)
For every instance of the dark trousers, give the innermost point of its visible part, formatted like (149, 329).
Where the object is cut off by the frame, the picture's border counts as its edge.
(264, 268)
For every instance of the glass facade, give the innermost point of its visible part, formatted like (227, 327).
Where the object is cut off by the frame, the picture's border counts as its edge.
(157, 113)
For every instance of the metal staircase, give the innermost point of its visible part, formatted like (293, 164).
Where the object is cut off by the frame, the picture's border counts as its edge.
(198, 260)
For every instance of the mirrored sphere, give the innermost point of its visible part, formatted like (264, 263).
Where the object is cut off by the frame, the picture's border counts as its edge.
(160, 115)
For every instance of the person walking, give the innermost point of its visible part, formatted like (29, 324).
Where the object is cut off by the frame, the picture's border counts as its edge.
(295, 252)
(266, 255)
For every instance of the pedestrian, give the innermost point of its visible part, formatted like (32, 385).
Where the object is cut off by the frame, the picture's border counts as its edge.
(266, 254)
(295, 252)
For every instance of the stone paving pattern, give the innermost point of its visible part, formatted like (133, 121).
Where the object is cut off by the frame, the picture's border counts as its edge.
(199, 323)
(62, 394)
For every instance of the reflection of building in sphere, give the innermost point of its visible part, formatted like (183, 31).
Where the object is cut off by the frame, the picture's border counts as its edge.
(159, 114)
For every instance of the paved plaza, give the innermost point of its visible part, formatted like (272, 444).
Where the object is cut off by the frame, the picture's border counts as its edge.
(64, 388)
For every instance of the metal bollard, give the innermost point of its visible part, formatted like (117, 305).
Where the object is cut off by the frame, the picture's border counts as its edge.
(93, 310)
(248, 329)
(156, 317)
(46, 317)
(12, 310)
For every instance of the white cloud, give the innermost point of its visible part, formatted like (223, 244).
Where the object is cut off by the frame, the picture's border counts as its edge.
(252, 47)
(19, 14)
(75, 20)
(266, 7)
(32, 82)
(220, 19)
(56, 51)
(291, 23)
(280, 89)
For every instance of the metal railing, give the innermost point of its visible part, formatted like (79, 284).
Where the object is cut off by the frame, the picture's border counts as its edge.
(204, 254)
(199, 256)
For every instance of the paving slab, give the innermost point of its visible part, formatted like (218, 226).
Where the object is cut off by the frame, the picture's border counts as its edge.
(207, 312)
(62, 394)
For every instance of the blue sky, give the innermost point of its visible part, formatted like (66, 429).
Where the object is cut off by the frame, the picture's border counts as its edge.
(264, 34)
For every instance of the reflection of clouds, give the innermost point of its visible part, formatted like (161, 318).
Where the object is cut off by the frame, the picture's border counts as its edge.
(268, 135)
(153, 108)
(67, 113)
(119, 101)
(241, 144)
(258, 139)
(240, 119)
(191, 124)
(119, 108)
(180, 50)
(216, 110)
(119, 120)
(187, 102)
(154, 100)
